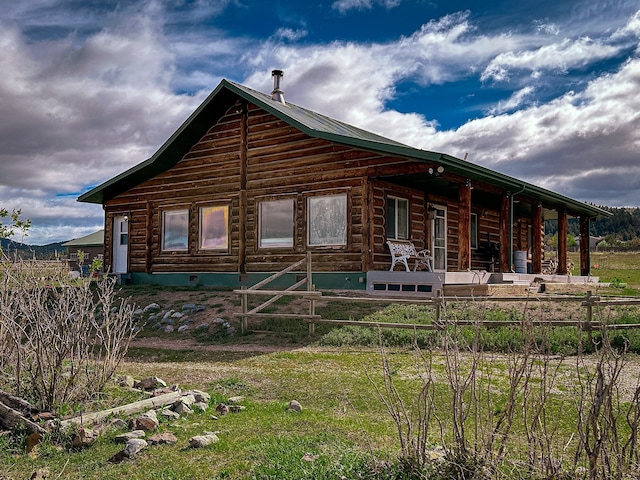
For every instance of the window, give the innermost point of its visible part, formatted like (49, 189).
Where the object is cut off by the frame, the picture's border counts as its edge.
(327, 220)
(276, 223)
(474, 231)
(175, 230)
(124, 232)
(214, 228)
(397, 218)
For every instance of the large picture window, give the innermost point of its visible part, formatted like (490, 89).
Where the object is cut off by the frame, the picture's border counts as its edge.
(175, 230)
(276, 223)
(327, 220)
(214, 228)
(397, 218)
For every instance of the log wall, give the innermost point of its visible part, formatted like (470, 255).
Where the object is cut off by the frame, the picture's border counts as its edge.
(249, 156)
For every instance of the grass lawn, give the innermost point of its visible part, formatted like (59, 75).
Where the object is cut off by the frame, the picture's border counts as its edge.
(344, 430)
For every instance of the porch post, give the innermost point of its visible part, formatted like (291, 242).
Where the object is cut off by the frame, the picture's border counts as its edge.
(562, 242)
(505, 241)
(536, 238)
(464, 226)
(585, 259)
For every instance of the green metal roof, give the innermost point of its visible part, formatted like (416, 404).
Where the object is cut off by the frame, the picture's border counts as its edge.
(95, 239)
(318, 126)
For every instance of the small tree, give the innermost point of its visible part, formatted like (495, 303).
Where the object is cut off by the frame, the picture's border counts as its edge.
(9, 228)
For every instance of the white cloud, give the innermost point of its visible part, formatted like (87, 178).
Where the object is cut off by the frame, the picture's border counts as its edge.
(583, 145)
(344, 6)
(514, 101)
(290, 34)
(560, 56)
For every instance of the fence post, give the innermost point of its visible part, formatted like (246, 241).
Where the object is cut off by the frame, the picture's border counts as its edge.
(439, 301)
(588, 325)
(311, 288)
(243, 301)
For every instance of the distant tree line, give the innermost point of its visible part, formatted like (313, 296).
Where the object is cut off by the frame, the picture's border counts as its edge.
(621, 229)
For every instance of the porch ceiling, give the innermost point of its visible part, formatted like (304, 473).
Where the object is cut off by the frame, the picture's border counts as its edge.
(441, 186)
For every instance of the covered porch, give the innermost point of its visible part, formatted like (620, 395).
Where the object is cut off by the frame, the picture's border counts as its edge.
(478, 283)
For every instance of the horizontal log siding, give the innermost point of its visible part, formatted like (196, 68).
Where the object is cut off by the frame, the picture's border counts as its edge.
(417, 226)
(282, 162)
(208, 174)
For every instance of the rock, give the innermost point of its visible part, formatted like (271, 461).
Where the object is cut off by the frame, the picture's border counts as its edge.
(84, 437)
(204, 440)
(203, 327)
(183, 328)
(176, 315)
(152, 307)
(199, 308)
(162, 439)
(168, 329)
(182, 408)
(134, 446)
(126, 381)
(125, 437)
(40, 474)
(236, 408)
(117, 423)
(237, 399)
(167, 321)
(200, 396)
(188, 399)
(170, 414)
(222, 409)
(219, 321)
(162, 391)
(150, 383)
(200, 406)
(189, 306)
(33, 440)
(147, 421)
(168, 313)
(158, 326)
(231, 331)
(294, 406)
(137, 312)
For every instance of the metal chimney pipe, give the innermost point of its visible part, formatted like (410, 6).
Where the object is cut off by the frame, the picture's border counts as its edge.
(277, 94)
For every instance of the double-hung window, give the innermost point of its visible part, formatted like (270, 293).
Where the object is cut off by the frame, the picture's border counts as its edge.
(397, 218)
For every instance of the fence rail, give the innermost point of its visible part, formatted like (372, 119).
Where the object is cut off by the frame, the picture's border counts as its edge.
(590, 302)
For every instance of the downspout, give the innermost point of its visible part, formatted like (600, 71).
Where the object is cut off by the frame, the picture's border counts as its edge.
(511, 227)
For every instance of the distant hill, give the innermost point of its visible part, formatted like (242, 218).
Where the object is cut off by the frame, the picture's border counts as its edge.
(40, 252)
(624, 224)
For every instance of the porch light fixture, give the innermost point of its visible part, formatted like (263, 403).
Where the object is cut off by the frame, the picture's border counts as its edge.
(439, 170)
(432, 212)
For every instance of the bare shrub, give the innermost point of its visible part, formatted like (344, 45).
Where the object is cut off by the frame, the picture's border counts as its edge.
(60, 339)
(523, 412)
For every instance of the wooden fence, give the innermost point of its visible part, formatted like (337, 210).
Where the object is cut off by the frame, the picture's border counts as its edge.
(590, 302)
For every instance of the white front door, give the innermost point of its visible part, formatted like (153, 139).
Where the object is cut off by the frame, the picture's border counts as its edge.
(439, 238)
(120, 243)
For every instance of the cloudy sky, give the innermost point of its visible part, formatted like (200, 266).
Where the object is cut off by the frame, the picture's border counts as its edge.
(546, 91)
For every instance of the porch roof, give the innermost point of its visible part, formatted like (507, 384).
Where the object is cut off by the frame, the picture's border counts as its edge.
(318, 126)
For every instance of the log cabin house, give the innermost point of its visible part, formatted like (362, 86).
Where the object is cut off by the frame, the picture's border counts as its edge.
(250, 183)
